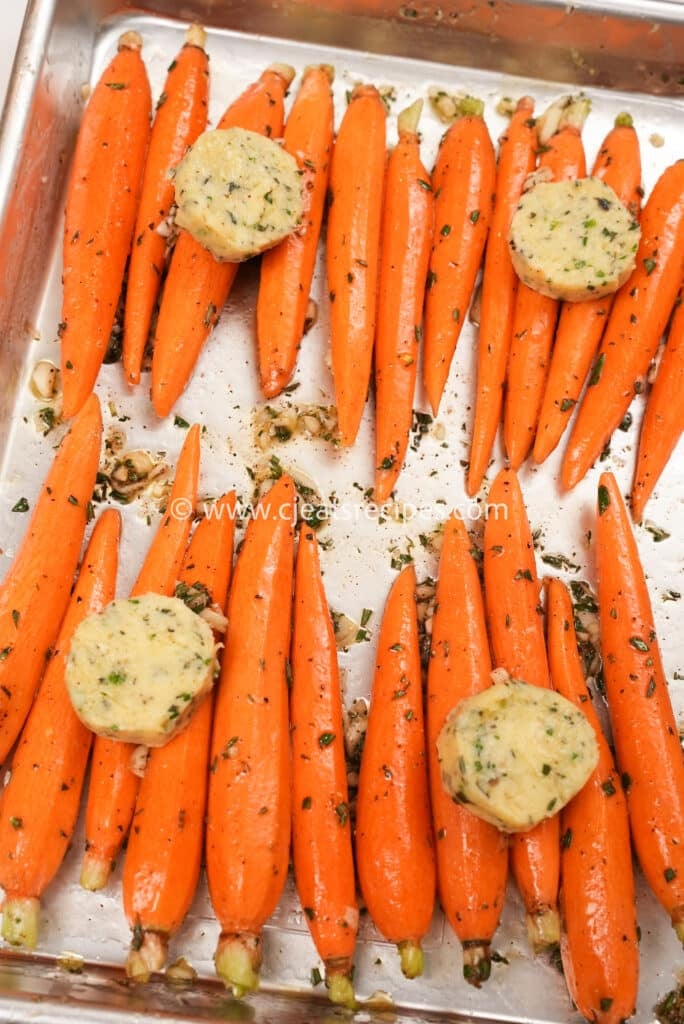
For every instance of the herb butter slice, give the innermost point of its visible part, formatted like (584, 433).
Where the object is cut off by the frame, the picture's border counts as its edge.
(515, 754)
(137, 670)
(238, 193)
(573, 240)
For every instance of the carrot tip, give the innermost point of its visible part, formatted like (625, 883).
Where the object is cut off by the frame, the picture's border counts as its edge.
(477, 962)
(237, 960)
(411, 958)
(130, 41)
(407, 121)
(543, 929)
(148, 957)
(624, 120)
(20, 922)
(95, 872)
(327, 68)
(195, 35)
(340, 989)
(286, 71)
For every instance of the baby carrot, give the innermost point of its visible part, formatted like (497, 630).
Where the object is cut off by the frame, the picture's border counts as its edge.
(647, 746)
(352, 251)
(35, 592)
(599, 945)
(197, 285)
(287, 270)
(248, 823)
(395, 857)
(472, 855)
(463, 182)
(165, 844)
(101, 205)
(181, 116)
(113, 786)
(407, 223)
(40, 802)
(512, 599)
(499, 285)
(321, 827)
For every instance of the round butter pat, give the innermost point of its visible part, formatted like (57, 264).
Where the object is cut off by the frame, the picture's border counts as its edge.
(515, 754)
(136, 670)
(238, 193)
(573, 240)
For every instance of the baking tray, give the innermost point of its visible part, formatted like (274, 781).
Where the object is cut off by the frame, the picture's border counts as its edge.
(627, 56)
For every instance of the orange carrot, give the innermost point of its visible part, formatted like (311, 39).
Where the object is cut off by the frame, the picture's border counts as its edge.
(395, 856)
(663, 421)
(581, 324)
(248, 823)
(181, 116)
(287, 270)
(113, 786)
(352, 251)
(499, 286)
(512, 596)
(463, 182)
(636, 323)
(599, 945)
(165, 845)
(407, 224)
(647, 745)
(40, 802)
(35, 592)
(472, 855)
(534, 319)
(197, 285)
(101, 205)
(321, 828)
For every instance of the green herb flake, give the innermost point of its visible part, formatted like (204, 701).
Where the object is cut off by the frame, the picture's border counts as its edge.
(16, 822)
(21, 506)
(605, 1004)
(608, 787)
(325, 739)
(597, 371)
(342, 812)
(15, 617)
(567, 404)
(445, 230)
(603, 499)
(669, 874)
(638, 644)
(310, 913)
(117, 86)
(474, 216)
(178, 421)
(425, 184)
(566, 839)
(316, 978)
(649, 266)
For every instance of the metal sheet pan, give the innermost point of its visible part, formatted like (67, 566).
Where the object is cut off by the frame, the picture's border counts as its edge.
(625, 59)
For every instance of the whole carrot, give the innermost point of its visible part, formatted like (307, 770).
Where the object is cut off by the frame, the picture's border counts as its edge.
(636, 323)
(663, 421)
(499, 285)
(197, 285)
(352, 251)
(181, 116)
(40, 802)
(647, 746)
(407, 224)
(463, 182)
(165, 845)
(395, 856)
(321, 826)
(35, 592)
(248, 823)
(581, 324)
(512, 600)
(102, 200)
(113, 786)
(535, 315)
(472, 855)
(599, 944)
(287, 270)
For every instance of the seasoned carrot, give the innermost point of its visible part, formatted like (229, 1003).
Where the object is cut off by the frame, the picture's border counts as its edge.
(512, 596)
(581, 324)
(40, 802)
(197, 285)
(165, 844)
(535, 315)
(321, 827)
(35, 592)
(472, 855)
(463, 182)
(647, 746)
(287, 270)
(113, 786)
(599, 945)
(663, 421)
(102, 200)
(352, 251)
(181, 116)
(248, 823)
(395, 856)
(636, 323)
(407, 224)
(499, 286)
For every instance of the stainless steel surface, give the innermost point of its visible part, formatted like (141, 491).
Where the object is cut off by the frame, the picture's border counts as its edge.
(487, 49)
